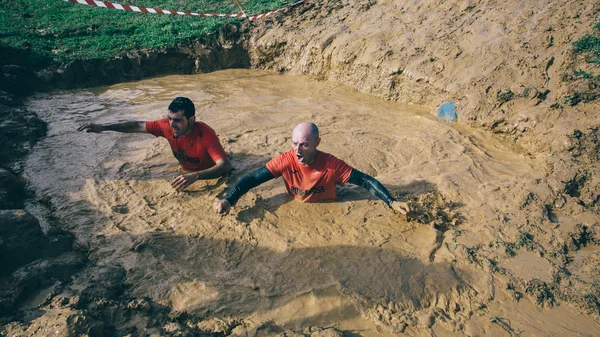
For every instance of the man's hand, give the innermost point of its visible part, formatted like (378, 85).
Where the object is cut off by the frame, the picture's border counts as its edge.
(400, 207)
(91, 127)
(181, 182)
(222, 206)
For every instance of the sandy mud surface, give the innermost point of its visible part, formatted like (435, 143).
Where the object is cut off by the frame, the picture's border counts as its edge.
(161, 262)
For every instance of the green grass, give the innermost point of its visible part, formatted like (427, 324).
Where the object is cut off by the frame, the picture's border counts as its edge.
(54, 31)
(505, 96)
(589, 44)
(589, 47)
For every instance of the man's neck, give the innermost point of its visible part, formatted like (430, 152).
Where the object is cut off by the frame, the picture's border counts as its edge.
(189, 131)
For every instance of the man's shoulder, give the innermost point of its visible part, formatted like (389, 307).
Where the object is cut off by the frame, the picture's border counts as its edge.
(161, 122)
(204, 129)
(159, 127)
(202, 125)
(286, 158)
(326, 157)
(331, 160)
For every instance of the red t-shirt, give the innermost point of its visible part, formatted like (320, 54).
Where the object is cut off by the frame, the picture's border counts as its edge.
(197, 151)
(310, 183)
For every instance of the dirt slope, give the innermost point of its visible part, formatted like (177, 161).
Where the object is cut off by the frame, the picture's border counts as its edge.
(429, 52)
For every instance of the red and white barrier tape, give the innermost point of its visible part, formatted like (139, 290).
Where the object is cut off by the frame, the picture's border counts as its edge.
(107, 4)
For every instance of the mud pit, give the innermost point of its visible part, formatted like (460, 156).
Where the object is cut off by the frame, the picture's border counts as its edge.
(274, 265)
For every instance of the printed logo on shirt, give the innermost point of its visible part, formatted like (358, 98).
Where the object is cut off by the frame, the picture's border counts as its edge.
(315, 190)
(183, 158)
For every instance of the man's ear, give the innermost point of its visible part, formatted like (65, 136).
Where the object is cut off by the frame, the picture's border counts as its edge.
(318, 142)
(192, 119)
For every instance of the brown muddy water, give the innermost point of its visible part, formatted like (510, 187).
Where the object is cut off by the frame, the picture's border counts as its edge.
(351, 264)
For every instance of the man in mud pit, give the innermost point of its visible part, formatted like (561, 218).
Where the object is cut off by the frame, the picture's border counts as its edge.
(194, 144)
(309, 175)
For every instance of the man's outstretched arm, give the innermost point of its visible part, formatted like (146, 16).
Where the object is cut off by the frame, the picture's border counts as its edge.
(377, 189)
(247, 182)
(126, 127)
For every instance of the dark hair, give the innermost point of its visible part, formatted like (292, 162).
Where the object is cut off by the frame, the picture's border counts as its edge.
(183, 104)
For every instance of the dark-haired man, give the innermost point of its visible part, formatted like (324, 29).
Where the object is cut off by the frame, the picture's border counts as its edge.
(309, 175)
(195, 145)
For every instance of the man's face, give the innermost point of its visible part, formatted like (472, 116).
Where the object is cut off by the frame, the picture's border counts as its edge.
(305, 146)
(181, 125)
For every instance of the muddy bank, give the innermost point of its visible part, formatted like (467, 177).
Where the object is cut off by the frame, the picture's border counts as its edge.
(503, 63)
(20, 129)
(28, 254)
(221, 50)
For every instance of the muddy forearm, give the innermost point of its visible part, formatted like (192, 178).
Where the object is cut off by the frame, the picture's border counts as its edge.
(126, 127)
(371, 184)
(222, 166)
(247, 182)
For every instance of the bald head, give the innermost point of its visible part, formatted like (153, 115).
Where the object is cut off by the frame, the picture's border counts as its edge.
(305, 139)
(306, 129)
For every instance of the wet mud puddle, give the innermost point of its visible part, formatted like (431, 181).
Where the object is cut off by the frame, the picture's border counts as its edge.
(352, 264)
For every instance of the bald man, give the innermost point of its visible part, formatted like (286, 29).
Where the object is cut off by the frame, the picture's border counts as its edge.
(309, 174)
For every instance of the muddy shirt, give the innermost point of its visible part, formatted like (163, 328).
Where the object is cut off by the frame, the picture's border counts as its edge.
(310, 183)
(197, 151)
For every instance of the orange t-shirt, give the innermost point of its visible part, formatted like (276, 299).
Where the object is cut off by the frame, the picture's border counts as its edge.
(197, 151)
(310, 183)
